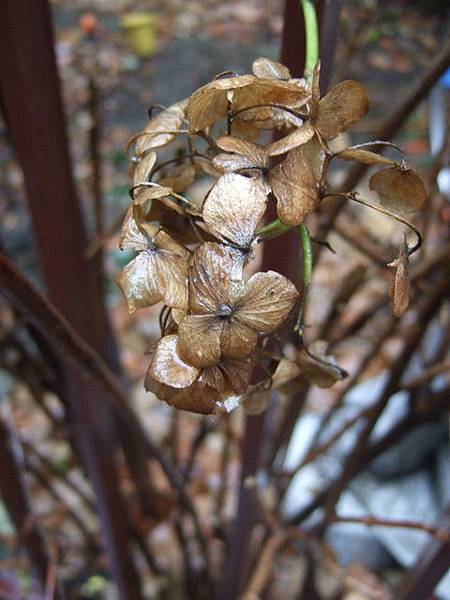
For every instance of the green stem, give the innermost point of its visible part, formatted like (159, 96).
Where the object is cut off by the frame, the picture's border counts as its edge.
(305, 240)
(312, 37)
(272, 230)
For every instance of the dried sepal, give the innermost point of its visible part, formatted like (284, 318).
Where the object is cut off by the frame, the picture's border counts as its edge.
(269, 91)
(400, 190)
(318, 367)
(155, 134)
(210, 102)
(143, 167)
(158, 273)
(365, 156)
(401, 288)
(199, 340)
(265, 67)
(167, 367)
(288, 378)
(345, 104)
(180, 178)
(295, 187)
(234, 207)
(297, 138)
(239, 155)
(265, 302)
(189, 388)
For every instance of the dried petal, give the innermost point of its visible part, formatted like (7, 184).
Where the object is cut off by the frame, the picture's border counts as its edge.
(256, 154)
(345, 104)
(153, 136)
(296, 138)
(288, 378)
(210, 102)
(210, 276)
(180, 178)
(234, 207)
(401, 289)
(295, 187)
(265, 117)
(265, 67)
(318, 367)
(266, 302)
(199, 340)
(399, 189)
(237, 340)
(237, 372)
(269, 91)
(139, 282)
(143, 167)
(167, 367)
(132, 236)
(364, 156)
(197, 398)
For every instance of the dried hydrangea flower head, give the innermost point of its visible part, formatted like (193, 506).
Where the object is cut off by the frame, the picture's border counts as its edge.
(193, 256)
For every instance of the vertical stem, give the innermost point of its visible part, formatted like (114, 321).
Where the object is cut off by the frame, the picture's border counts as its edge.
(312, 37)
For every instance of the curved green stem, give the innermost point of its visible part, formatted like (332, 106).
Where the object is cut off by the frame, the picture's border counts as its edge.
(272, 230)
(305, 240)
(312, 37)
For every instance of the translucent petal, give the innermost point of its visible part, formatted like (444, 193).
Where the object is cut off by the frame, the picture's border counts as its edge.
(139, 281)
(234, 208)
(210, 277)
(153, 136)
(237, 340)
(400, 190)
(267, 300)
(345, 104)
(167, 367)
(199, 340)
(295, 187)
(265, 67)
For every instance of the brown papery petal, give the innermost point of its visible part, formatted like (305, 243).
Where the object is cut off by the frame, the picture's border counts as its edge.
(399, 190)
(197, 398)
(288, 378)
(364, 156)
(144, 167)
(267, 300)
(139, 281)
(210, 276)
(180, 178)
(234, 207)
(199, 340)
(265, 117)
(294, 185)
(143, 198)
(132, 236)
(296, 138)
(237, 340)
(265, 67)
(345, 104)
(230, 163)
(167, 367)
(170, 119)
(322, 370)
(238, 372)
(401, 289)
(256, 154)
(172, 274)
(269, 91)
(209, 103)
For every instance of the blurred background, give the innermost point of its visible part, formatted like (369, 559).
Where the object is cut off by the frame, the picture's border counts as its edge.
(116, 58)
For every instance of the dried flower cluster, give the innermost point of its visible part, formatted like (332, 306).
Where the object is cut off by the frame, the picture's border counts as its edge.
(192, 256)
